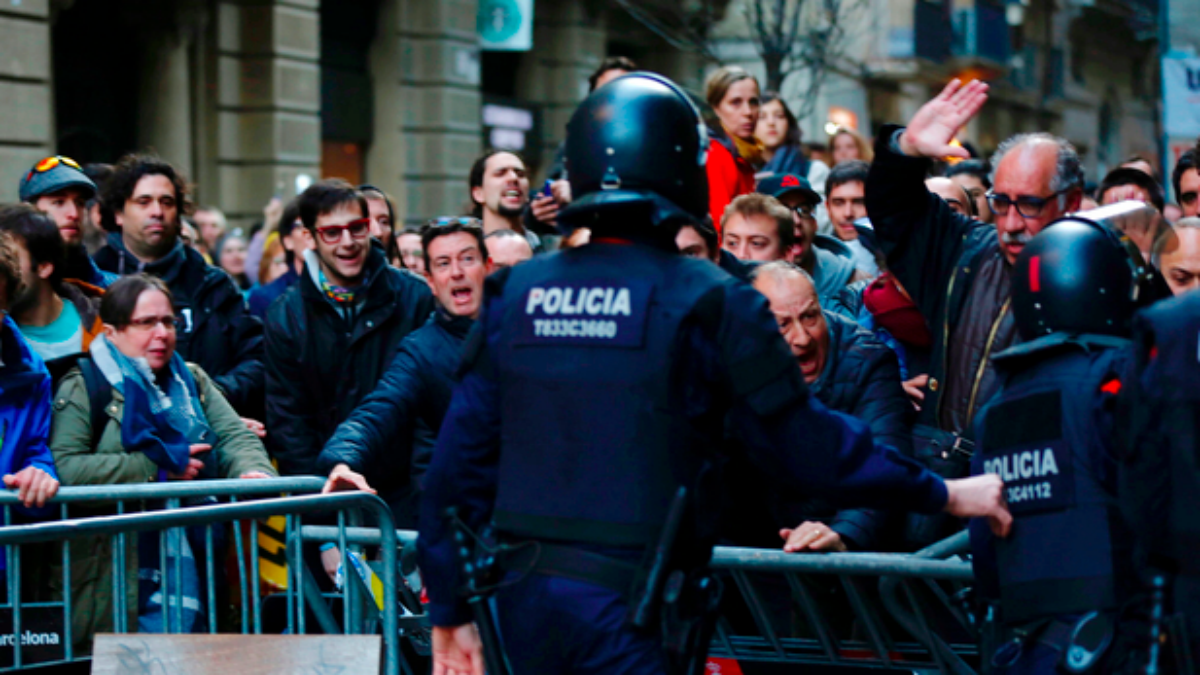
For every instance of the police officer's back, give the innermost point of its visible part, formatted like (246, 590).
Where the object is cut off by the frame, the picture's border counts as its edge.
(1048, 434)
(604, 378)
(1158, 422)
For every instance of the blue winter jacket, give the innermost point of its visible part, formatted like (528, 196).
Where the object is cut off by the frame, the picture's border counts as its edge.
(24, 411)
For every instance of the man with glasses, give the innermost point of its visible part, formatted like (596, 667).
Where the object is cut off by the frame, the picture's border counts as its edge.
(331, 336)
(413, 395)
(143, 204)
(58, 186)
(956, 269)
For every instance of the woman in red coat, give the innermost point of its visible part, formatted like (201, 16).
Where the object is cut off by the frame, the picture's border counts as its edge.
(733, 152)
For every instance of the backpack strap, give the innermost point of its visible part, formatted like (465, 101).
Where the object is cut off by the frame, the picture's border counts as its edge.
(100, 394)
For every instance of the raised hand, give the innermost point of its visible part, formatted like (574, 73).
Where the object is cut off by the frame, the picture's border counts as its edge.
(930, 131)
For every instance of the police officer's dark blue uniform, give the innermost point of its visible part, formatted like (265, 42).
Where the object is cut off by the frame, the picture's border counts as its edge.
(1158, 422)
(605, 377)
(1049, 434)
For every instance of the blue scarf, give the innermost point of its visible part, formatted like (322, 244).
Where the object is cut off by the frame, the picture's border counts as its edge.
(159, 424)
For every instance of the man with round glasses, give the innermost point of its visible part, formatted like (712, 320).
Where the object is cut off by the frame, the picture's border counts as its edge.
(331, 336)
(957, 269)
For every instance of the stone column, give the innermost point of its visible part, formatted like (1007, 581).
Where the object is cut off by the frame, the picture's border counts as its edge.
(425, 70)
(268, 102)
(165, 106)
(26, 96)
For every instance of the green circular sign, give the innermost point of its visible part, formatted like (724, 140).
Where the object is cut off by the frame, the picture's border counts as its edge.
(498, 20)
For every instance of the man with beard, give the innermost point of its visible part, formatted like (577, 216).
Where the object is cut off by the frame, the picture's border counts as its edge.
(331, 336)
(143, 201)
(59, 317)
(956, 269)
(414, 393)
(499, 192)
(58, 187)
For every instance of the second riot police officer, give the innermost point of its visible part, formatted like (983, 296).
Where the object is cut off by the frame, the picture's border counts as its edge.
(603, 380)
(1063, 575)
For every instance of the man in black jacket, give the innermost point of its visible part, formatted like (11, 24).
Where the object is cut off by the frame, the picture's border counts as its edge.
(957, 269)
(849, 371)
(331, 336)
(412, 397)
(142, 204)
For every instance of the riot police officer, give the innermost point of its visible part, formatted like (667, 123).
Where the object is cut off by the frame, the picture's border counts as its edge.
(1158, 419)
(602, 379)
(1063, 574)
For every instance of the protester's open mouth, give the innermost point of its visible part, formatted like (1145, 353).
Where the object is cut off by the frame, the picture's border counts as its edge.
(808, 364)
(462, 295)
(514, 195)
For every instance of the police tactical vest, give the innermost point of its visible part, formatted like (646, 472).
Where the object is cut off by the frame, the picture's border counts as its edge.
(596, 436)
(1159, 417)
(1068, 551)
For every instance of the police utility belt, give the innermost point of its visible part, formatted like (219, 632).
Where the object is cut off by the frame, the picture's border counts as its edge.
(568, 562)
(944, 452)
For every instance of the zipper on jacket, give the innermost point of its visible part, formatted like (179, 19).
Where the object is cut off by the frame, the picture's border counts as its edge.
(987, 353)
(937, 422)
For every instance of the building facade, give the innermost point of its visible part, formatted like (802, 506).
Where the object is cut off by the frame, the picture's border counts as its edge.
(257, 98)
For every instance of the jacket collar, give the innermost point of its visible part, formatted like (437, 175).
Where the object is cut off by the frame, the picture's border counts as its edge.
(1043, 346)
(458, 326)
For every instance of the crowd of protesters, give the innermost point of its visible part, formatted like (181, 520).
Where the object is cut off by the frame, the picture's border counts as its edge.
(144, 340)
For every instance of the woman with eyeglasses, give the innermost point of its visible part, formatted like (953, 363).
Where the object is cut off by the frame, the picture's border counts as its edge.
(134, 412)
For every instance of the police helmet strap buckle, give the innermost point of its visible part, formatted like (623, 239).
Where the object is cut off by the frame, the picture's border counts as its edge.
(611, 180)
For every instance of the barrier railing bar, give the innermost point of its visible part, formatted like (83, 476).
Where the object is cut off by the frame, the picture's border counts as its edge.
(178, 489)
(201, 515)
(210, 580)
(923, 623)
(757, 610)
(240, 557)
(875, 630)
(363, 536)
(255, 581)
(68, 638)
(121, 601)
(821, 627)
(857, 564)
(346, 570)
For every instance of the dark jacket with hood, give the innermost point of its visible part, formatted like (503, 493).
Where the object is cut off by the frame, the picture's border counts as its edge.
(954, 270)
(408, 403)
(321, 364)
(80, 266)
(216, 332)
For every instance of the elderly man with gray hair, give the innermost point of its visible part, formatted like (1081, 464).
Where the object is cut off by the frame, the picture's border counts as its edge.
(957, 269)
(848, 370)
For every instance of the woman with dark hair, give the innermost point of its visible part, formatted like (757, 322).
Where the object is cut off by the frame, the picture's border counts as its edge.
(780, 135)
(733, 151)
(155, 419)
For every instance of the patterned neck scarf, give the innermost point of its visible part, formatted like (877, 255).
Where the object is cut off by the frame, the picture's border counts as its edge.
(338, 294)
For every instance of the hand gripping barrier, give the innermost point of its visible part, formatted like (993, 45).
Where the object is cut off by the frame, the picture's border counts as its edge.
(118, 497)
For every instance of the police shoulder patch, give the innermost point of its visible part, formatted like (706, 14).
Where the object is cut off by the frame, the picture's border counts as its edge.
(596, 312)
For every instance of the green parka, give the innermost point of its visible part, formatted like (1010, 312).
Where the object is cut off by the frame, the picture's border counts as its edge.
(238, 451)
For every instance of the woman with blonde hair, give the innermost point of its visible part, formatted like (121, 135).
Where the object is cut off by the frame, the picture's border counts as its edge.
(847, 144)
(733, 153)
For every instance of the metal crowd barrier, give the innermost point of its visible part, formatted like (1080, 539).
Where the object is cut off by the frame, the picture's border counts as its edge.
(169, 523)
(884, 611)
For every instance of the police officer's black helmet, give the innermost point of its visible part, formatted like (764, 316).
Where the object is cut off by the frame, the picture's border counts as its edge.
(638, 141)
(1077, 277)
